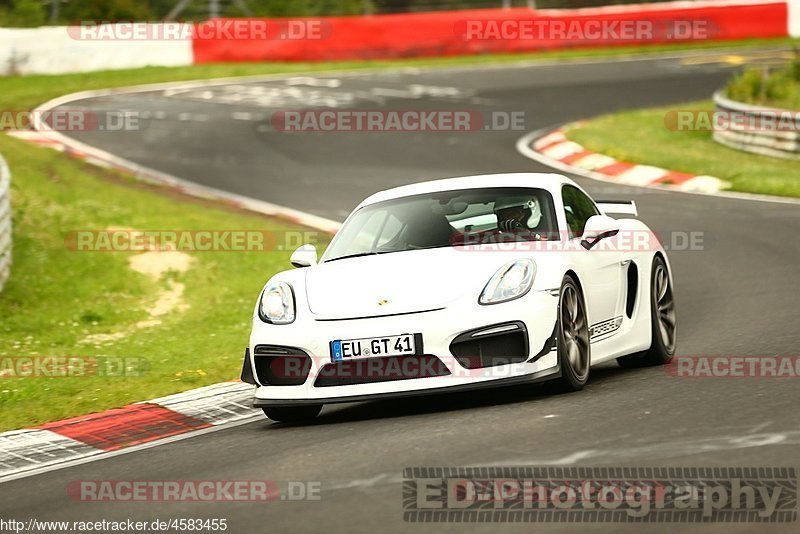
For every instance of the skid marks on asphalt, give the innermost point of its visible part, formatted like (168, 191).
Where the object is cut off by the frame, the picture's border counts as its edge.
(649, 452)
(644, 454)
(310, 92)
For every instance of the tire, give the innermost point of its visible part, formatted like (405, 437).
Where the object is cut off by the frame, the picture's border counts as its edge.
(292, 414)
(662, 321)
(574, 349)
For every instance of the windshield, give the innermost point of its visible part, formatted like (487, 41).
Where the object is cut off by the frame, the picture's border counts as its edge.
(444, 219)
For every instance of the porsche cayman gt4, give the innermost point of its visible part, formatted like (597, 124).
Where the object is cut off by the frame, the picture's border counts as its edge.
(462, 283)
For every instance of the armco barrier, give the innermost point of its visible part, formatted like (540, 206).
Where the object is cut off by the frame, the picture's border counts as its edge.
(5, 222)
(445, 33)
(767, 141)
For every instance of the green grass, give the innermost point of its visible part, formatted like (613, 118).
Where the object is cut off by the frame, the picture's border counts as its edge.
(26, 92)
(56, 297)
(642, 137)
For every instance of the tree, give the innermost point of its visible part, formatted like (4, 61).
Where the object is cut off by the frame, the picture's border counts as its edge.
(22, 13)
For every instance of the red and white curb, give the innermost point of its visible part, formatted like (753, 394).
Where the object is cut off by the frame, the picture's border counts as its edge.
(31, 450)
(80, 439)
(555, 150)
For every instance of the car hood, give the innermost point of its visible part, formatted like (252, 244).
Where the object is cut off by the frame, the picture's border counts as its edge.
(397, 282)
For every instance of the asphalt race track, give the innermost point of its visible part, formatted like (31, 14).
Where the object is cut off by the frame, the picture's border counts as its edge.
(736, 297)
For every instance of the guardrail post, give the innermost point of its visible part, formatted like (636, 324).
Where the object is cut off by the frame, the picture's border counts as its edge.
(5, 222)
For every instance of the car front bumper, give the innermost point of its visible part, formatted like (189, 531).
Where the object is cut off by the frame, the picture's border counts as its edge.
(536, 313)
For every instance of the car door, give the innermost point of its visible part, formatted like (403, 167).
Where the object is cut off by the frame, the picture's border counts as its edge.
(600, 267)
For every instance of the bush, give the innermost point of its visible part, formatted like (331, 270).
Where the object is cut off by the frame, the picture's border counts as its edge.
(778, 88)
(23, 13)
(299, 8)
(29, 13)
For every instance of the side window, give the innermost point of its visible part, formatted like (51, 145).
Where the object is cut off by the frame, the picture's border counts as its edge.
(577, 209)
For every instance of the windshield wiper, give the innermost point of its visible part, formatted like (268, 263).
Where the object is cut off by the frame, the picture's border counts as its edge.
(358, 255)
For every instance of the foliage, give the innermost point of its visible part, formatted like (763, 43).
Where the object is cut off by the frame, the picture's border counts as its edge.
(777, 88)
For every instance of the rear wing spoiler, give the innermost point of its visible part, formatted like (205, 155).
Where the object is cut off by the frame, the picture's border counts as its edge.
(618, 207)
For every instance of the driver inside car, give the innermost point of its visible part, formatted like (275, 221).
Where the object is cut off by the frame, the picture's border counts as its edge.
(519, 216)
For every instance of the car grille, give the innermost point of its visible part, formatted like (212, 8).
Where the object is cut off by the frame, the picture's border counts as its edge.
(281, 366)
(382, 369)
(491, 346)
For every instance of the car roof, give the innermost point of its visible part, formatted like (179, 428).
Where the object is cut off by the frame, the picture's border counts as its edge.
(549, 181)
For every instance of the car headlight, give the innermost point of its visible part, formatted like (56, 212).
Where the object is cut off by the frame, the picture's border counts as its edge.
(510, 282)
(277, 304)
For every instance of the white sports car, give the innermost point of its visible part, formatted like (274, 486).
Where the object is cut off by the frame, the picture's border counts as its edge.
(461, 283)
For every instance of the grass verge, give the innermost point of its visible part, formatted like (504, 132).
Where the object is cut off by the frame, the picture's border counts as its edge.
(60, 302)
(641, 136)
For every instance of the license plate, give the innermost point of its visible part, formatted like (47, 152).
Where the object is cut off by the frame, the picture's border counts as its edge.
(373, 346)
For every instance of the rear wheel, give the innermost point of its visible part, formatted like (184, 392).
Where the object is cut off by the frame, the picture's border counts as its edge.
(574, 352)
(662, 319)
(292, 414)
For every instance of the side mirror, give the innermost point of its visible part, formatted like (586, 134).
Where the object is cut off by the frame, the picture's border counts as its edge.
(305, 256)
(598, 227)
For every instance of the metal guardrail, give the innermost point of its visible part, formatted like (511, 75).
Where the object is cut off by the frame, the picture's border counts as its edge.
(5, 222)
(760, 140)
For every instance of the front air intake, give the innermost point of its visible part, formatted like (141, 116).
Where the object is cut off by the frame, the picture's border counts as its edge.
(490, 346)
(380, 369)
(281, 366)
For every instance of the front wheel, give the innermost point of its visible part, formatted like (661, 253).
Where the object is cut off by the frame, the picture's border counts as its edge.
(292, 414)
(574, 351)
(662, 320)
